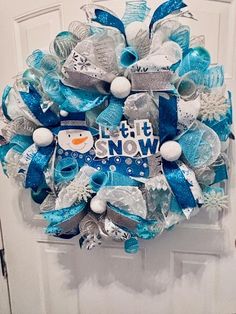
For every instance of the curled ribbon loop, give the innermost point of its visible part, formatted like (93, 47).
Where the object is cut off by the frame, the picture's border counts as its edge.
(35, 174)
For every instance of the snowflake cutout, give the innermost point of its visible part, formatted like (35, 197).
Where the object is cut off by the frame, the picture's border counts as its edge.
(115, 232)
(213, 105)
(83, 63)
(91, 241)
(83, 191)
(215, 200)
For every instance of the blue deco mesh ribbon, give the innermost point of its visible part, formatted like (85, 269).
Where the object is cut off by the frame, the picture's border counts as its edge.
(168, 118)
(35, 174)
(179, 185)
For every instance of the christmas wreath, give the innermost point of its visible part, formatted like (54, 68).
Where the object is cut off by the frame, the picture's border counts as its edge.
(121, 129)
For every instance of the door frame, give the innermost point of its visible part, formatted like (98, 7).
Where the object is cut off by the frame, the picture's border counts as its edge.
(5, 301)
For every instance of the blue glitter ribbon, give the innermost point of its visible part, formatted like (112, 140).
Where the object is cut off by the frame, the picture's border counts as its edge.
(107, 19)
(165, 9)
(33, 102)
(179, 185)
(35, 174)
(168, 118)
(56, 218)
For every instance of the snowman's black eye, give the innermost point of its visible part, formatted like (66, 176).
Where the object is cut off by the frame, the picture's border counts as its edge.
(68, 135)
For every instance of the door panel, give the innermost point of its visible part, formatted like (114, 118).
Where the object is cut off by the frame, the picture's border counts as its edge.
(48, 275)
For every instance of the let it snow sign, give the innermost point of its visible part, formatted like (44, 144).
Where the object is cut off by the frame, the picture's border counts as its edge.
(128, 141)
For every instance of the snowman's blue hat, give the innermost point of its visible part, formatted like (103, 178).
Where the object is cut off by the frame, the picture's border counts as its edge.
(76, 121)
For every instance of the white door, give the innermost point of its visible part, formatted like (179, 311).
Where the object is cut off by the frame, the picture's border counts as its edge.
(179, 272)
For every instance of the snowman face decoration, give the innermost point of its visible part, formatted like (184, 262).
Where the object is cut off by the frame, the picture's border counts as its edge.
(76, 140)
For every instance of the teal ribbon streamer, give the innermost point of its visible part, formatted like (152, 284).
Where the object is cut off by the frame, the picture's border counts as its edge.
(179, 185)
(168, 118)
(35, 174)
(4, 99)
(108, 19)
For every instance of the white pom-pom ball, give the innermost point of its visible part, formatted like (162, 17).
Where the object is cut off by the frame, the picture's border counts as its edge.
(120, 87)
(171, 151)
(64, 113)
(132, 30)
(42, 137)
(98, 205)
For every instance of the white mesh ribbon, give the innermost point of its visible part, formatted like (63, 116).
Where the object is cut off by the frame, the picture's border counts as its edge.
(128, 198)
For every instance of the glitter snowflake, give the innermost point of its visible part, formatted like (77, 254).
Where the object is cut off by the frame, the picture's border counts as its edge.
(215, 200)
(213, 105)
(82, 191)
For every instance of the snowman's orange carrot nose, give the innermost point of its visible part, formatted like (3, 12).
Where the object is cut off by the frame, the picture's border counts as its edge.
(78, 141)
